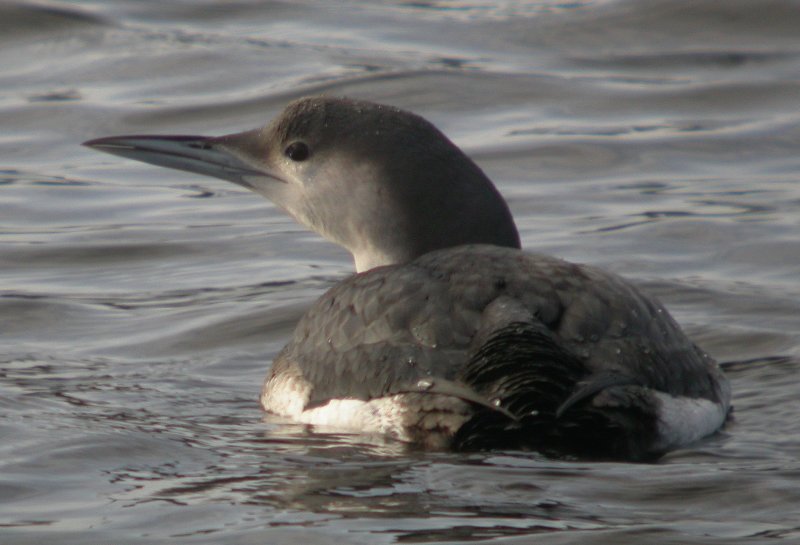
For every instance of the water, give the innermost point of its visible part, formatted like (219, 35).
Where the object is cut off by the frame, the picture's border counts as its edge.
(140, 307)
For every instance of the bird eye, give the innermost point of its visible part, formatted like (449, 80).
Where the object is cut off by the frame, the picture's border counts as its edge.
(297, 151)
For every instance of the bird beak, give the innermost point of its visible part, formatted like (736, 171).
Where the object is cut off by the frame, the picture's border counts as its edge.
(224, 157)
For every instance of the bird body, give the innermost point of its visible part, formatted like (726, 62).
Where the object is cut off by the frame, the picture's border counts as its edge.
(404, 333)
(449, 335)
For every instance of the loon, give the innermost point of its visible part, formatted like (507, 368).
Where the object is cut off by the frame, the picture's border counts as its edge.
(449, 336)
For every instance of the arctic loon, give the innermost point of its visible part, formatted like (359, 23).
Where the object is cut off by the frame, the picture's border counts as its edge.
(449, 336)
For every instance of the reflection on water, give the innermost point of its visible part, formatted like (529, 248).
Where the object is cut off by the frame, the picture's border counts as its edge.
(139, 308)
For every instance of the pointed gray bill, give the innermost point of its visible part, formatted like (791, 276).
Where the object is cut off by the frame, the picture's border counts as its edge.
(198, 154)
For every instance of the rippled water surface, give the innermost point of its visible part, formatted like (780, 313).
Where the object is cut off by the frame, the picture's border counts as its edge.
(140, 307)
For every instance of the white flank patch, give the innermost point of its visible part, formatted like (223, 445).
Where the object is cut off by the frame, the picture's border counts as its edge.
(382, 416)
(287, 397)
(684, 420)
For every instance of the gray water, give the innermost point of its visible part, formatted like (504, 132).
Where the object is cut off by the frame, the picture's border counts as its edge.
(140, 308)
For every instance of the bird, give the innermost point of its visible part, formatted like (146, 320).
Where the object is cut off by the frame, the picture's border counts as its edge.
(449, 336)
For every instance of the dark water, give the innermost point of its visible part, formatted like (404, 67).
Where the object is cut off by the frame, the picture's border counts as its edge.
(140, 308)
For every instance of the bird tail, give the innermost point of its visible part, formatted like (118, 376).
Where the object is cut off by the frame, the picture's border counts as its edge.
(543, 397)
